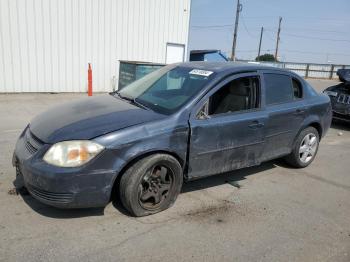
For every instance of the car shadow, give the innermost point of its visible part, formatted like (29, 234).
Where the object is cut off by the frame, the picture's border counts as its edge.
(233, 178)
(340, 125)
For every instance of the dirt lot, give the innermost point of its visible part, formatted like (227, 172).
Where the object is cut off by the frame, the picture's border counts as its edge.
(278, 213)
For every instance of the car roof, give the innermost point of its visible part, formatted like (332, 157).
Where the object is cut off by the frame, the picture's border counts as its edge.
(230, 67)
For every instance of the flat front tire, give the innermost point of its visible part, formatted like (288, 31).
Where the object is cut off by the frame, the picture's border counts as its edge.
(305, 148)
(151, 185)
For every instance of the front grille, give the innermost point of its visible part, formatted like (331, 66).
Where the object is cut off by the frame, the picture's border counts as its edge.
(343, 99)
(62, 198)
(31, 149)
(32, 143)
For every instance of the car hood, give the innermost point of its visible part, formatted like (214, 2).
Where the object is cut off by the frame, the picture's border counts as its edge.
(88, 118)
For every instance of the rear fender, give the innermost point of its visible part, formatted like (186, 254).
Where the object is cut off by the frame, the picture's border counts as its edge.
(312, 120)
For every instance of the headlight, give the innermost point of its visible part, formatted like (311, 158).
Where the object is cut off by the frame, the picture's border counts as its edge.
(72, 153)
(330, 93)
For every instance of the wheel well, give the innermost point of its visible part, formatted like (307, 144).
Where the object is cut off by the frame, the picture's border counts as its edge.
(115, 188)
(318, 127)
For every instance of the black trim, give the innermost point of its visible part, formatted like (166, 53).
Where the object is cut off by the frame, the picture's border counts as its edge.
(62, 198)
(229, 148)
(279, 133)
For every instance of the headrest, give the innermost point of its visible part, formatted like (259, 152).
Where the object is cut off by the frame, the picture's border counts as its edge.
(239, 88)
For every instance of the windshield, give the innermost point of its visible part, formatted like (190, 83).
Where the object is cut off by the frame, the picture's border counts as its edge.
(167, 89)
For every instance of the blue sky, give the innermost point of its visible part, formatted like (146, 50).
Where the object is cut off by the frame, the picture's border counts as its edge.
(312, 30)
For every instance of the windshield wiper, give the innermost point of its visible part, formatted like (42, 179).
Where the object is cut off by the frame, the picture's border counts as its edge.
(132, 100)
(118, 94)
(139, 104)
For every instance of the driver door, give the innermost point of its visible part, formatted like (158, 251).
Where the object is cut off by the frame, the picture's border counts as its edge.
(227, 127)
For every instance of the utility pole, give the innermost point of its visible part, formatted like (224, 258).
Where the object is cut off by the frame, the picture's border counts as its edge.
(238, 10)
(261, 35)
(278, 37)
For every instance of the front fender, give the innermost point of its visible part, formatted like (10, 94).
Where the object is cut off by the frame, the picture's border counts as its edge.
(132, 143)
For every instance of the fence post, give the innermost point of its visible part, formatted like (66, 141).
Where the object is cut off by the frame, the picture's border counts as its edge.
(307, 71)
(331, 73)
(89, 80)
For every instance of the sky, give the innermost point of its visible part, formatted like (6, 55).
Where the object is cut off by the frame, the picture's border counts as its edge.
(314, 31)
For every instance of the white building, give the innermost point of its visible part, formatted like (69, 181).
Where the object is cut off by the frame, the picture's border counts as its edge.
(46, 45)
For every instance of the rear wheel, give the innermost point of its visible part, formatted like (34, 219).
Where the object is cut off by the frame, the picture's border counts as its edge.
(151, 185)
(305, 148)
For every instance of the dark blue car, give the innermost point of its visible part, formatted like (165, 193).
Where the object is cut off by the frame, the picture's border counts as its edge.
(181, 122)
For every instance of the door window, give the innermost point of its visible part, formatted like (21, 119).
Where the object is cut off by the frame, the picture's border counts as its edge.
(297, 89)
(278, 88)
(240, 94)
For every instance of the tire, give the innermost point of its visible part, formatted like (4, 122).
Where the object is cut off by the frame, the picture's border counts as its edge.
(151, 185)
(302, 157)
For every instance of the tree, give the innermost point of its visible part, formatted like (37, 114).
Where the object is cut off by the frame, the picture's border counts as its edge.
(266, 57)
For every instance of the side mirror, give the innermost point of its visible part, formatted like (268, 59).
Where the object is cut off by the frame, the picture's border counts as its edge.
(203, 113)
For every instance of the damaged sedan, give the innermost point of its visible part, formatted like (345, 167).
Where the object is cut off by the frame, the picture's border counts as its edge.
(182, 122)
(340, 96)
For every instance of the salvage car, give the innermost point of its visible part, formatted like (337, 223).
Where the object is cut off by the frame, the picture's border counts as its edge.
(340, 96)
(182, 122)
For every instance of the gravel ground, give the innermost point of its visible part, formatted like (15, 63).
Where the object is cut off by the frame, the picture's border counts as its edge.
(277, 214)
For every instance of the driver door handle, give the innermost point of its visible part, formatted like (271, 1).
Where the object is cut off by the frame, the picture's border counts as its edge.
(256, 124)
(299, 111)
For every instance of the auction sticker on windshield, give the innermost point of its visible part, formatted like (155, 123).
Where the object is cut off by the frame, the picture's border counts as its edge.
(200, 72)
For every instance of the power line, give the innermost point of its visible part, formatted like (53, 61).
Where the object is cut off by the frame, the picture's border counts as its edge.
(269, 28)
(273, 31)
(300, 18)
(314, 30)
(294, 51)
(246, 29)
(313, 53)
(268, 34)
(254, 51)
(274, 16)
(317, 38)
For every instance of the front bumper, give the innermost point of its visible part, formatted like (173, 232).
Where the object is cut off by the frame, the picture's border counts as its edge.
(87, 186)
(341, 111)
(341, 117)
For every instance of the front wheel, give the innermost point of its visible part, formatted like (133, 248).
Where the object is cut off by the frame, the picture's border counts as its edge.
(151, 185)
(305, 148)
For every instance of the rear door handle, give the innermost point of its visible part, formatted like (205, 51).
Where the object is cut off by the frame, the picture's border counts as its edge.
(299, 111)
(256, 124)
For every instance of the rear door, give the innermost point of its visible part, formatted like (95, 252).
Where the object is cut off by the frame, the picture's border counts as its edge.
(225, 139)
(286, 111)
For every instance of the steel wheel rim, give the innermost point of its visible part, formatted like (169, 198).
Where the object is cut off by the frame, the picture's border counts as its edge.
(308, 148)
(155, 186)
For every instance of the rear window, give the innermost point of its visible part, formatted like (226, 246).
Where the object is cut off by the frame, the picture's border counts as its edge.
(297, 89)
(278, 88)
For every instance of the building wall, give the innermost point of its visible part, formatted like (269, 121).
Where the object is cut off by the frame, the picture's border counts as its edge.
(46, 45)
